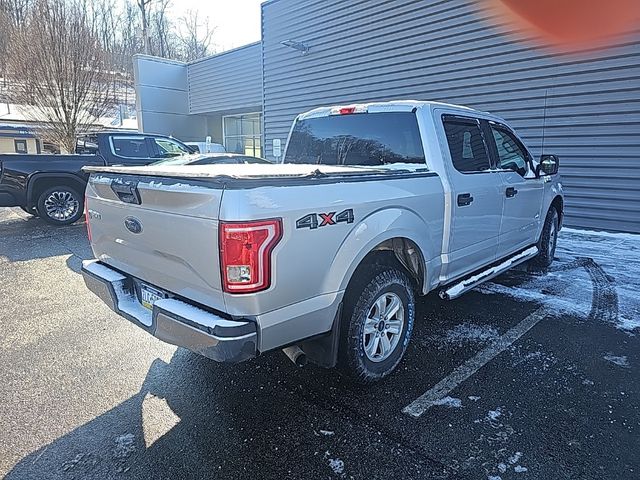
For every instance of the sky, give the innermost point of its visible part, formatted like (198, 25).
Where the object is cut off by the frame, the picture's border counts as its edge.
(237, 22)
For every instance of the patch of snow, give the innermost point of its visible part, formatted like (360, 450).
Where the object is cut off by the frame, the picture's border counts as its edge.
(520, 469)
(494, 414)
(456, 289)
(515, 458)
(465, 334)
(174, 187)
(494, 477)
(337, 466)
(473, 398)
(600, 233)
(586, 381)
(100, 179)
(195, 314)
(555, 304)
(449, 402)
(327, 433)
(567, 288)
(129, 304)
(621, 361)
(102, 271)
(125, 445)
(502, 468)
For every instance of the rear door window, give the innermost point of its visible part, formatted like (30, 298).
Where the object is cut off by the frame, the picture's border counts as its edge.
(130, 147)
(466, 145)
(371, 139)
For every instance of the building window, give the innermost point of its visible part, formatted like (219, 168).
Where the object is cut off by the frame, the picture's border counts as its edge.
(242, 134)
(20, 146)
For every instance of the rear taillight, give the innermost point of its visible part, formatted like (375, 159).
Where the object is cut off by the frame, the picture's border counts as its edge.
(245, 254)
(86, 218)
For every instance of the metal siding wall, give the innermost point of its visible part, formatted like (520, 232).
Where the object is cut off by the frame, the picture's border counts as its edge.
(161, 99)
(226, 82)
(449, 51)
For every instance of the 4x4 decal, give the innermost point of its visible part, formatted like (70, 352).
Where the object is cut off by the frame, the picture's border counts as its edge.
(315, 220)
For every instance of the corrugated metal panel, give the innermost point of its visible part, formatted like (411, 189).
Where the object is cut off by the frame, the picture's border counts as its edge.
(226, 82)
(450, 51)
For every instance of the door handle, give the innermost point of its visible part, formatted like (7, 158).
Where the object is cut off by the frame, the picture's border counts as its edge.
(464, 199)
(511, 192)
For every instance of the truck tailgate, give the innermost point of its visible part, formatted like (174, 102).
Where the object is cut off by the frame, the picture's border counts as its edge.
(159, 230)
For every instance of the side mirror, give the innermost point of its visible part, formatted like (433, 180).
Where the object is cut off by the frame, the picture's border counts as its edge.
(549, 164)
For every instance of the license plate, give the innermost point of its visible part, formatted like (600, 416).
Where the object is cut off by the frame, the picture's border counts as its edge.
(149, 296)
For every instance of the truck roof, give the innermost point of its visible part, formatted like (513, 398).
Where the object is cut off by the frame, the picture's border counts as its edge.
(390, 106)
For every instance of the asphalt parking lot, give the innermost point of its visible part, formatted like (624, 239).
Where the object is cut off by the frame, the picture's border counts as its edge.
(531, 376)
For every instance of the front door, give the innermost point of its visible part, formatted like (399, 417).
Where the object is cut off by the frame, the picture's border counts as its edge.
(476, 199)
(523, 192)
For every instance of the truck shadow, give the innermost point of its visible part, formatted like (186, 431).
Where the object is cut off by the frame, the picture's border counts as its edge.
(265, 418)
(195, 419)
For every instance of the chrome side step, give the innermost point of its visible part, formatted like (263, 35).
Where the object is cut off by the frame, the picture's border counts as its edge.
(455, 290)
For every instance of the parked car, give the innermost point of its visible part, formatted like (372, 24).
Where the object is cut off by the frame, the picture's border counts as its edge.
(204, 147)
(52, 186)
(322, 256)
(211, 159)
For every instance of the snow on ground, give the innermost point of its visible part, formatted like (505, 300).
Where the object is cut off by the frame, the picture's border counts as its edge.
(449, 402)
(588, 264)
(621, 361)
(464, 334)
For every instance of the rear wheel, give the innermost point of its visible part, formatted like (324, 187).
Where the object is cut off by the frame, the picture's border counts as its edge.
(548, 240)
(376, 324)
(60, 205)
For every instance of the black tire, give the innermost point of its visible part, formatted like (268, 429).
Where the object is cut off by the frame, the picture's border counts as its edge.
(70, 201)
(30, 211)
(374, 283)
(548, 240)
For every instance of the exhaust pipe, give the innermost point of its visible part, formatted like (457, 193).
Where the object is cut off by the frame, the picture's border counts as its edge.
(296, 355)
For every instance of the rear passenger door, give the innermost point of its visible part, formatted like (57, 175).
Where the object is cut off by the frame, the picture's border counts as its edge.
(476, 197)
(522, 191)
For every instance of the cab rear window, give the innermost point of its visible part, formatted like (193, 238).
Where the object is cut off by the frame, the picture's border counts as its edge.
(371, 139)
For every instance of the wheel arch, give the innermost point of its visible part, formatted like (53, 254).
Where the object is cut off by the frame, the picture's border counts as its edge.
(39, 182)
(396, 234)
(558, 204)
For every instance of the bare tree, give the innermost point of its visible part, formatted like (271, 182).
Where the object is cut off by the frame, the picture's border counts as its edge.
(62, 73)
(142, 5)
(195, 37)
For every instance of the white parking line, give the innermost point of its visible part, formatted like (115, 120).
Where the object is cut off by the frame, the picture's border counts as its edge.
(471, 366)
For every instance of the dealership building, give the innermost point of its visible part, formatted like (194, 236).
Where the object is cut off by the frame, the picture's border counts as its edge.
(323, 52)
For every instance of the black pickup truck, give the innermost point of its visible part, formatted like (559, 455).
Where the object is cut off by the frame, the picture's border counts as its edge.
(52, 186)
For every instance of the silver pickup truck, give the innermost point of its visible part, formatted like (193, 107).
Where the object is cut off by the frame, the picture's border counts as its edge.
(322, 255)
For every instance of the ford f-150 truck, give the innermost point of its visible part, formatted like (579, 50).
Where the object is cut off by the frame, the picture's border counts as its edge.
(322, 256)
(52, 186)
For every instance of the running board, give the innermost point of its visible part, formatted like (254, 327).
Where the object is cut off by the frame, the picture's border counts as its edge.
(457, 289)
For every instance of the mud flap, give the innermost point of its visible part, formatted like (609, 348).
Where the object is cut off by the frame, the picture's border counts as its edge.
(323, 350)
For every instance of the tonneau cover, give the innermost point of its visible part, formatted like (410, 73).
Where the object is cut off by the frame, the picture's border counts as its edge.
(253, 171)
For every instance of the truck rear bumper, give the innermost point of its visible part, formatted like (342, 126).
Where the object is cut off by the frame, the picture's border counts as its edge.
(172, 320)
